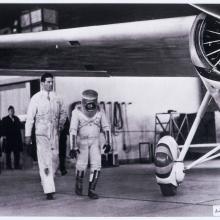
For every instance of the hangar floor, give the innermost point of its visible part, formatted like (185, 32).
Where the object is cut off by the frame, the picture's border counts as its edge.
(127, 190)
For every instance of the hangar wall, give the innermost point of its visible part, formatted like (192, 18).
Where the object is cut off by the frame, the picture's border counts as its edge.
(17, 95)
(148, 95)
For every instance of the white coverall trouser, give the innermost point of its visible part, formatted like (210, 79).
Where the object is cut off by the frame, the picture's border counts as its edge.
(87, 131)
(90, 151)
(47, 154)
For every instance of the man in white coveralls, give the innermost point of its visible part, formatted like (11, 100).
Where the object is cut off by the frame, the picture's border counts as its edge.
(87, 122)
(47, 111)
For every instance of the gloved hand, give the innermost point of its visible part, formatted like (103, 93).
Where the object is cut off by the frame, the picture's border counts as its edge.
(107, 148)
(74, 153)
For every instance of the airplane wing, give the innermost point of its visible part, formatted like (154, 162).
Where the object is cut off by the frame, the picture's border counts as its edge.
(210, 9)
(143, 48)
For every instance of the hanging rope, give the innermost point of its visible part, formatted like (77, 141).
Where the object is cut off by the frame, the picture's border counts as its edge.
(102, 106)
(117, 117)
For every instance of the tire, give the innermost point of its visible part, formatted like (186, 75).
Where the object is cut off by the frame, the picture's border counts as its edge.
(168, 189)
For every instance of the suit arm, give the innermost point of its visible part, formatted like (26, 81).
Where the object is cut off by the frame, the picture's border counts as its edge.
(31, 113)
(106, 127)
(73, 129)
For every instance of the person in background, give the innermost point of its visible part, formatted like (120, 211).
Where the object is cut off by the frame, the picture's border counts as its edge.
(62, 146)
(47, 111)
(12, 140)
(86, 124)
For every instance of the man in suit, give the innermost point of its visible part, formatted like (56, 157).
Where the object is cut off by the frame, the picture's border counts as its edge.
(62, 146)
(11, 133)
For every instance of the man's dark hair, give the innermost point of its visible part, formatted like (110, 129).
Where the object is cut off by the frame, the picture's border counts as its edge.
(11, 107)
(46, 75)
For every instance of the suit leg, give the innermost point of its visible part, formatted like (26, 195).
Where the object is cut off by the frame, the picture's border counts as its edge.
(62, 154)
(8, 159)
(45, 162)
(95, 162)
(16, 159)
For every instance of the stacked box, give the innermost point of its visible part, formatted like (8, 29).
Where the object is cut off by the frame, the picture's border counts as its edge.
(39, 19)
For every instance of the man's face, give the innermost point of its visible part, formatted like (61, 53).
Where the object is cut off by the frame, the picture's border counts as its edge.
(48, 84)
(11, 112)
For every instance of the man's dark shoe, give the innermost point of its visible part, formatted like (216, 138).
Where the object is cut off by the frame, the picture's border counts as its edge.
(50, 196)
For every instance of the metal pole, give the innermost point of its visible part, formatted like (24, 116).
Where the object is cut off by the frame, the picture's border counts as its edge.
(201, 145)
(201, 112)
(212, 157)
(203, 158)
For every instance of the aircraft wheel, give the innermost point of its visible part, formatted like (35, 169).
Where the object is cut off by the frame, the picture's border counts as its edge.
(168, 189)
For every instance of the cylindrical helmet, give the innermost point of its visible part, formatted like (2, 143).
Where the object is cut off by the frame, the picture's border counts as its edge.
(90, 102)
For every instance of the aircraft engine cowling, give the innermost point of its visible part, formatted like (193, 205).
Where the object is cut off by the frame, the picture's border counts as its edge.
(204, 46)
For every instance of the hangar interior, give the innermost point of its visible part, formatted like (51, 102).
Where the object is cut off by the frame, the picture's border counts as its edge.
(140, 98)
(137, 103)
(148, 88)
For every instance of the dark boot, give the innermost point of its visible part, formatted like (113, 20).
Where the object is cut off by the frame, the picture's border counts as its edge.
(49, 196)
(92, 185)
(8, 160)
(79, 183)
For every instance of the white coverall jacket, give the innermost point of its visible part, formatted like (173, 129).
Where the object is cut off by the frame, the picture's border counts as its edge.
(49, 115)
(88, 132)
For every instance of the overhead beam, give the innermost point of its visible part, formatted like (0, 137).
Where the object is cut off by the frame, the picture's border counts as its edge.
(73, 73)
(14, 80)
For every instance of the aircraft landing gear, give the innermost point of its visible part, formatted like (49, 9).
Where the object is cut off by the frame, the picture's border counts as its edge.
(169, 172)
(169, 160)
(168, 189)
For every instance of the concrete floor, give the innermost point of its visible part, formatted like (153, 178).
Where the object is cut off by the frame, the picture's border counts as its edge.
(127, 190)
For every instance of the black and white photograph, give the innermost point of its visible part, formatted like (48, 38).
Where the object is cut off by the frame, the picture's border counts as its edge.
(109, 109)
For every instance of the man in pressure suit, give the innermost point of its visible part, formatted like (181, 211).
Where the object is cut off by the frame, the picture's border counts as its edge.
(87, 122)
(47, 111)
